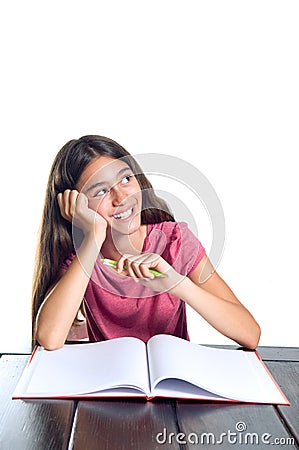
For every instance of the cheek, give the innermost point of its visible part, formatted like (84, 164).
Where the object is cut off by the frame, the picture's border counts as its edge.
(135, 190)
(97, 205)
(103, 208)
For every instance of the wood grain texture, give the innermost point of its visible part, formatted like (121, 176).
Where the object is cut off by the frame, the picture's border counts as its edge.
(287, 376)
(117, 425)
(207, 425)
(30, 424)
(279, 353)
(268, 353)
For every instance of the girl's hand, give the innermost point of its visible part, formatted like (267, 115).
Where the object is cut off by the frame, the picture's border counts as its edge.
(74, 208)
(137, 267)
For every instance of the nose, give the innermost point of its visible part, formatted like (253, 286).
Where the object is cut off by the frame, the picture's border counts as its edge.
(118, 195)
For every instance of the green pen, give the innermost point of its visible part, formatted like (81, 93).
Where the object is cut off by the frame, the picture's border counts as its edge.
(112, 263)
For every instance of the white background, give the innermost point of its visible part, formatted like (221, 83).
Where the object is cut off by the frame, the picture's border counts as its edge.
(212, 82)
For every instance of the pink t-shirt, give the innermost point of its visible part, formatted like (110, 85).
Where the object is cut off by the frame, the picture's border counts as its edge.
(118, 306)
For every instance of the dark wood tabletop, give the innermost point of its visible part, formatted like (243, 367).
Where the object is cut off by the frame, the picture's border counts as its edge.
(157, 424)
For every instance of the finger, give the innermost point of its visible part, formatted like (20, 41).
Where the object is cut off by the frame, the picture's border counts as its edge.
(128, 264)
(131, 264)
(62, 199)
(66, 203)
(140, 265)
(80, 204)
(136, 267)
(148, 261)
(145, 272)
(73, 196)
(121, 263)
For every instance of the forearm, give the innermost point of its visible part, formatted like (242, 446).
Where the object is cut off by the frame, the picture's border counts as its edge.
(230, 318)
(61, 305)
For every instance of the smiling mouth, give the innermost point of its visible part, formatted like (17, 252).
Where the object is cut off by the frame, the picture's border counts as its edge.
(123, 215)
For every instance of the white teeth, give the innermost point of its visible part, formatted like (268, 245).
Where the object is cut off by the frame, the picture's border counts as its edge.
(124, 215)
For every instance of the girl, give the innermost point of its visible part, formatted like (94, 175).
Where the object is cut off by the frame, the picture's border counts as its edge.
(99, 204)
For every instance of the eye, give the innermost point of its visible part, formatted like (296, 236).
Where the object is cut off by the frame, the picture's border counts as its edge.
(126, 179)
(101, 193)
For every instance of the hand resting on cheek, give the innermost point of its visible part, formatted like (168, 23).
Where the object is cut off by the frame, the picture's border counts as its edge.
(74, 208)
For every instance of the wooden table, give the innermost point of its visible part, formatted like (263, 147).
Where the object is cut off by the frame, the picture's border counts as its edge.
(157, 424)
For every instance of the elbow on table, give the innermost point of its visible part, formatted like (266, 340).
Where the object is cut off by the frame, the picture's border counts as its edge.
(253, 338)
(49, 342)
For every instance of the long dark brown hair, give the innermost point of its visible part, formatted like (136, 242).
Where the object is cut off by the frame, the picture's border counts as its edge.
(55, 241)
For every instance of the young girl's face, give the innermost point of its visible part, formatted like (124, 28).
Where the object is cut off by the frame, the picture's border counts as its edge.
(113, 191)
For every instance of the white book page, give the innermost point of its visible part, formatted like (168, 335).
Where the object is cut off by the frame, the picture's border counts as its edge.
(86, 368)
(233, 374)
(170, 387)
(118, 393)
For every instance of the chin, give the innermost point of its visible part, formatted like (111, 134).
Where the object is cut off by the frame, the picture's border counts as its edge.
(127, 228)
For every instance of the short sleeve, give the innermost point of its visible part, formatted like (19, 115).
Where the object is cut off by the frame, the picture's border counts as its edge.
(184, 251)
(192, 250)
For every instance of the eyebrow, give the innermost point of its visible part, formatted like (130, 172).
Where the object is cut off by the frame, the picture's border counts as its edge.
(103, 183)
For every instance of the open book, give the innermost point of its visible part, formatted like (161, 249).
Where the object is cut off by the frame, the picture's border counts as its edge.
(166, 366)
